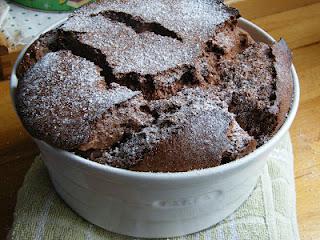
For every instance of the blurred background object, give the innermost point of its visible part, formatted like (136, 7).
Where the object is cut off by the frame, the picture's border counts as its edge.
(22, 22)
(53, 5)
(4, 9)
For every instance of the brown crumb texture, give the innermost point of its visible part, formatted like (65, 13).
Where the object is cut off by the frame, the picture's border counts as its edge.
(192, 128)
(254, 78)
(118, 122)
(46, 43)
(144, 49)
(160, 86)
(61, 95)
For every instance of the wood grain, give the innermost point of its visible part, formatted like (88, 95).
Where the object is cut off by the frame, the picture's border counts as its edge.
(305, 134)
(300, 27)
(298, 21)
(16, 154)
(259, 8)
(6, 63)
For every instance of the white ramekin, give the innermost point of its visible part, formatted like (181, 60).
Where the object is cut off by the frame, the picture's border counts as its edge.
(143, 204)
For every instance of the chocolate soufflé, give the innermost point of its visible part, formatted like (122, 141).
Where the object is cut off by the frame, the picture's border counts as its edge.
(156, 86)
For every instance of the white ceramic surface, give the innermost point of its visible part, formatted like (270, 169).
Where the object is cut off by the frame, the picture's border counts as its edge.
(158, 204)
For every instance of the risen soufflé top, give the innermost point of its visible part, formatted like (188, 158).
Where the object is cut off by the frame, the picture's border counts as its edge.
(159, 85)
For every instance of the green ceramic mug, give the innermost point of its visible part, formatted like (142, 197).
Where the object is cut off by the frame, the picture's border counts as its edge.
(53, 5)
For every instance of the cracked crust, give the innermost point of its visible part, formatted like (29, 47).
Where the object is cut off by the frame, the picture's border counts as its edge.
(261, 84)
(131, 87)
(62, 95)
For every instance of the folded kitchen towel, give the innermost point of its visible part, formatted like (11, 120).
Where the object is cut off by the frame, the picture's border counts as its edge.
(269, 212)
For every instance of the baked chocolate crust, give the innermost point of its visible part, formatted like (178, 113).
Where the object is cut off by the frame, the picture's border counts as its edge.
(261, 84)
(284, 84)
(154, 85)
(62, 95)
(45, 43)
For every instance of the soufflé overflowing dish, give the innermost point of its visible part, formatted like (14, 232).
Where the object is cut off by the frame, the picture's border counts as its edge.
(154, 86)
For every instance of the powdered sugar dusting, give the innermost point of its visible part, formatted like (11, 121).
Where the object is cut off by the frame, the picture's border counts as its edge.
(196, 116)
(80, 23)
(62, 95)
(188, 18)
(251, 78)
(127, 51)
(145, 53)
(148, 52)
(251, 73)
(203, 89)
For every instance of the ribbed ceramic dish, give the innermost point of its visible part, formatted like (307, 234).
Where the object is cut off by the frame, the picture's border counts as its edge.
(153, 205)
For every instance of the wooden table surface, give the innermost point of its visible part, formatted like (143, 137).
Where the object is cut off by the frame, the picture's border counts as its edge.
(298, 21)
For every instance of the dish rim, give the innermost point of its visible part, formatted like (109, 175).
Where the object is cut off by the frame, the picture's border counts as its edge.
(175, 175)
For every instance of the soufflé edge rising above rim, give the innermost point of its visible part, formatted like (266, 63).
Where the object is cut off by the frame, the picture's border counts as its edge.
(161, 98)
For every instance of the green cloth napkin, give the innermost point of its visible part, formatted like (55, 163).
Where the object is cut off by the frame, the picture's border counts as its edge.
(269, 212)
